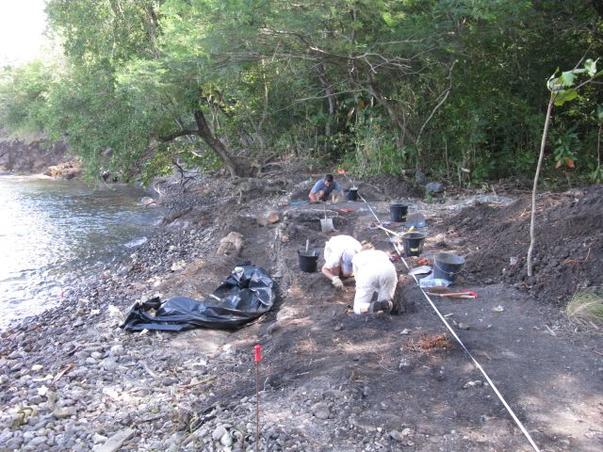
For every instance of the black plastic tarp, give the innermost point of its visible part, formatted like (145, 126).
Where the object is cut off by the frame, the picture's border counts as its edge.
(245, 295)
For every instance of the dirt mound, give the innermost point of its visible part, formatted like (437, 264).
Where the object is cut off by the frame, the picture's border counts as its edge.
(394, 187)
(568, 252)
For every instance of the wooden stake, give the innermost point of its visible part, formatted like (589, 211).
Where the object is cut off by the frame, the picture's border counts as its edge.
(258, 358)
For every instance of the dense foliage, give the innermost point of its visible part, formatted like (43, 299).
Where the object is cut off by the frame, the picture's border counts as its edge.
(456, 88)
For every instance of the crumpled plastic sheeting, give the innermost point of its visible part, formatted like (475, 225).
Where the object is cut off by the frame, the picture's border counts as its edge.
(431, 281)
(246, 294)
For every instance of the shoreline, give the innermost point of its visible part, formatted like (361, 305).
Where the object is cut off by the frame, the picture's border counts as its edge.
(78, 233)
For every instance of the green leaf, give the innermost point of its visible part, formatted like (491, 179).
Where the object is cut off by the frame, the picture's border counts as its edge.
(554, 84)
(600, 113)
(565, 96)
(591, 67)
(567, 78)
(389, 20)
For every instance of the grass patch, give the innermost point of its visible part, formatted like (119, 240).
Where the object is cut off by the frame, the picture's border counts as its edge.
(586, 308)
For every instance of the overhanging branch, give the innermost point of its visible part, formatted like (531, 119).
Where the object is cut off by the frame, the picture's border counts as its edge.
(181, 133)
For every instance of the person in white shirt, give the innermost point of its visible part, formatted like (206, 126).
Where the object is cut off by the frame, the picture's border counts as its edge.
(374, 273)
(339, 251)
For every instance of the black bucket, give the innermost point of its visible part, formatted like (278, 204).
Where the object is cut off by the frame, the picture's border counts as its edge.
(308, 260)
(447, 266)
(352, 194)
(397, 212)
(413, 243)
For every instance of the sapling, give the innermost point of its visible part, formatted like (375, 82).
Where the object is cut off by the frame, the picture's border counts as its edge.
(563, 88)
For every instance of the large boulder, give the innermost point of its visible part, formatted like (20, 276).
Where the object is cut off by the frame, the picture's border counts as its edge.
(66, 170)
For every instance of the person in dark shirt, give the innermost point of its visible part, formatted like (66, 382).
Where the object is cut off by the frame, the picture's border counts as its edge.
(325, 189)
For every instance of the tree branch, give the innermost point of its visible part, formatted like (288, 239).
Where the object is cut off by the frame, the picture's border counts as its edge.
(181, 133)
(443, 96)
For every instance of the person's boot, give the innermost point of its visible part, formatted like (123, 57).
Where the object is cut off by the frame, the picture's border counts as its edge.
(383, 305)
(388, 306)
(398, 307)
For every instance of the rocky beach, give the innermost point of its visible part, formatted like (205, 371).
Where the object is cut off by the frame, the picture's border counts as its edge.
(72, 379)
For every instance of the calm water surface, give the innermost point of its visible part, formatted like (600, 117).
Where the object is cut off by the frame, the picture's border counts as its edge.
(52, 233)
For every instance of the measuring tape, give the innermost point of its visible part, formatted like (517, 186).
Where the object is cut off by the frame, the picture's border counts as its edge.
(465, 349)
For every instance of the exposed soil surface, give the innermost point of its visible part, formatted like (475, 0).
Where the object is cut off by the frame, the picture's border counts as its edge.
(568, 252)
(329, 380)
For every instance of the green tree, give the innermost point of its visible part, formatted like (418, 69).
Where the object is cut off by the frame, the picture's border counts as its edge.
(447, 86)
(23, 97)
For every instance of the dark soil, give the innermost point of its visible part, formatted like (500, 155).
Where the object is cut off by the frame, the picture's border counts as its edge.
(330, 380)
(569, 243)
(394, 187)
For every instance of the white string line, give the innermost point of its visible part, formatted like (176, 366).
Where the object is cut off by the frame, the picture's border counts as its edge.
(466, 350)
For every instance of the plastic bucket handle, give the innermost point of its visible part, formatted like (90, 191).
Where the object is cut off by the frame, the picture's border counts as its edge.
(435, 263)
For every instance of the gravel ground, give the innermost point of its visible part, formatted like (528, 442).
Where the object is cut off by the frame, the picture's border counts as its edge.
(71, 379)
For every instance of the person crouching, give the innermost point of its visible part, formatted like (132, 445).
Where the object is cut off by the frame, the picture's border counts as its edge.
(339, 251)
(374, 273)
(326, 189)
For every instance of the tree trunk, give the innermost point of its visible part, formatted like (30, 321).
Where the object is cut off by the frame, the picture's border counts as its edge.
(331, 100)
(217, 146)
(393, 115)
(547, 121)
